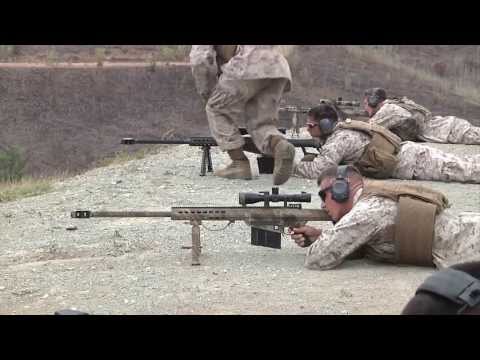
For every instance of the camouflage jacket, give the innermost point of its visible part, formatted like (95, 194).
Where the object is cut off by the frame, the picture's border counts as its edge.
(405, 118)
(390, 115)
(249, 62)
(368, 228)
(342, 147)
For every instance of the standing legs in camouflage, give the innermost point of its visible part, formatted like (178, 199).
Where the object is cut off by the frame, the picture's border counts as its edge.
(421, 162)
(262, 115)
(256, 102)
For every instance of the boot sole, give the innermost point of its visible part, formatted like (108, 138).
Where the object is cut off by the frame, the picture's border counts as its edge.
(283, 164)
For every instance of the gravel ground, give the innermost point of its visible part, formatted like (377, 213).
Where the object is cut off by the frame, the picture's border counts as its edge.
(137, 266)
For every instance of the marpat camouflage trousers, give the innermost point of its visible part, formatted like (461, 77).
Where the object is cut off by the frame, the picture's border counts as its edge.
(254, 103)
(450, 130)
(422, 162)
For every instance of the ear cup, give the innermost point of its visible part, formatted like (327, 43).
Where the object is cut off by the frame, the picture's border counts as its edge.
(340, 188)
(326, 126)
(375, 96)
(373, 100)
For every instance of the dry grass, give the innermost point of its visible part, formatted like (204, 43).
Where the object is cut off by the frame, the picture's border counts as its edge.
(33, 186)
(464, 84)
(100, 56)
(26, 187)
(122, 157)
(52, 56)
(172, 53)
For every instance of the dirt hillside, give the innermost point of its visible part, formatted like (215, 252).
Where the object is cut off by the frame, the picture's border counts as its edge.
(65, 115)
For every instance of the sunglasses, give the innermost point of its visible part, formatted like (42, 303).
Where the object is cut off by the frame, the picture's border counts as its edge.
(323, 193)
(311, 125)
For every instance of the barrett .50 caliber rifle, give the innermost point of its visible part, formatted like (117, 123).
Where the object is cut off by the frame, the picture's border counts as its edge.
(267, 222)
(265, 163)
(344, 108)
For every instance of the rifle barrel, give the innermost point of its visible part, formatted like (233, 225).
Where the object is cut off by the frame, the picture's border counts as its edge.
(122, 214)
(130, 141)
(131, 214)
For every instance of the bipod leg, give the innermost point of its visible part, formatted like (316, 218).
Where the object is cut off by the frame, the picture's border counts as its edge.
(209, 160)
(203, 167)
(196, 246)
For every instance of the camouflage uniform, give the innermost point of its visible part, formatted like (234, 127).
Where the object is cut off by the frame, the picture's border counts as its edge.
(368, 228)
(438, 129)
(249, 86)
(416, 161)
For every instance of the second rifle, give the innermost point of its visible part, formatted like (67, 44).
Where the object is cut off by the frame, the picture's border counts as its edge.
(265, 163)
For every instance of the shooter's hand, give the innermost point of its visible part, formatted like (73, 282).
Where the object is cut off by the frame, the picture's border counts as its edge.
(304, 236)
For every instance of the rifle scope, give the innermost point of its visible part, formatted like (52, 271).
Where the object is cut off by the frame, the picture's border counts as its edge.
(245, 198)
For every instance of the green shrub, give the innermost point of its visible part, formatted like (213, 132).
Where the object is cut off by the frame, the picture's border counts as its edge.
(7, 52)
(12, 165)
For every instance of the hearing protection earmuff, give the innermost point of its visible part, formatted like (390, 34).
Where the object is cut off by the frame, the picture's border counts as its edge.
(375, 97)
(340, 188)
(327, 126)
(373, 100)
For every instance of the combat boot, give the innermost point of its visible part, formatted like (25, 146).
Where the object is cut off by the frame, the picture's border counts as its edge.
(238, 169)
(284, 155)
